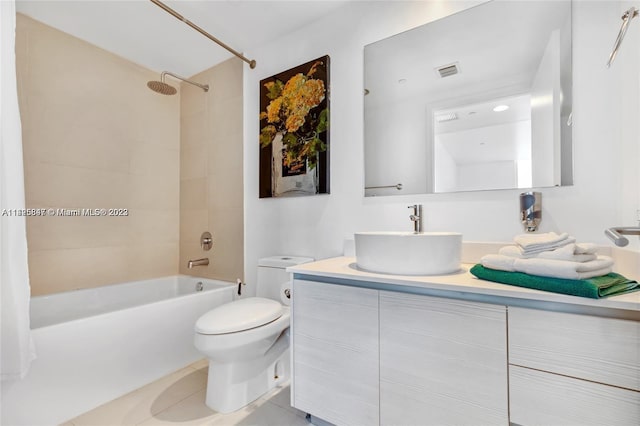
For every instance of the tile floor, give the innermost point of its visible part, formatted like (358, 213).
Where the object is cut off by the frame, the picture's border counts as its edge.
(178, 399)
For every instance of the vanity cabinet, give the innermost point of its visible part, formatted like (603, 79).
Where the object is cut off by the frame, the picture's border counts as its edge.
(372, 349)
(442, 361)
(362, 356)
(334, 335)
(573, 369)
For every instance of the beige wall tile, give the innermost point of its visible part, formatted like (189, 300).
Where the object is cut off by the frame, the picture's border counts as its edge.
(74, 187)
(152, 260)
(154, 192)
(194, 99)
(193, 131)
(193, 222)
(193, 163)
(69, 232)
(147, 159)
(226, 79)
(193, 193)
(53, 271)
(227, 229)
(222, 173)
(94, 136)
(226, 117)
(152, 226)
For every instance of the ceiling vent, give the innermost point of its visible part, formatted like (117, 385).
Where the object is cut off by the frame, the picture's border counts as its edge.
(446, 117)
(448, 70)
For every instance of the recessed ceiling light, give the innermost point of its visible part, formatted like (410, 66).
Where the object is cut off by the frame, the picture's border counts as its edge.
(501, 108)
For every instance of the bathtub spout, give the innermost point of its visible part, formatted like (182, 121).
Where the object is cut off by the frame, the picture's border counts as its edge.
(198, 262)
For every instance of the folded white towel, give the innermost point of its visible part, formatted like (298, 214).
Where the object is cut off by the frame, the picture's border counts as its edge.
(537, 243)
(586, 248)
(549, 267)
(571, 252)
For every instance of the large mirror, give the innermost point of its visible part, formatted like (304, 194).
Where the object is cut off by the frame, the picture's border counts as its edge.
(478, 100)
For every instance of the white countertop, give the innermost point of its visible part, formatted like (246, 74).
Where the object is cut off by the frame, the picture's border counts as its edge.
(345, 268)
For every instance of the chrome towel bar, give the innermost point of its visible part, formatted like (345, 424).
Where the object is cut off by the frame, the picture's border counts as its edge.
(397, 186)
(626, 18)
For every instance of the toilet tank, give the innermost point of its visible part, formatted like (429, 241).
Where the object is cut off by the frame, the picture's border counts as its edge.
(272, 274)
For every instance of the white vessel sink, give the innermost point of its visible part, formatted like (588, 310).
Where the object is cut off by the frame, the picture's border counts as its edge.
(406, 253)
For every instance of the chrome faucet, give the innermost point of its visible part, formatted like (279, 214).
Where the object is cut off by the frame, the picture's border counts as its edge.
(416, 218)
(615, 234)
(198, 262)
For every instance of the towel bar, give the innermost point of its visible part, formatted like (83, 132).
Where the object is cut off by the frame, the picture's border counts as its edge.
(626, 18)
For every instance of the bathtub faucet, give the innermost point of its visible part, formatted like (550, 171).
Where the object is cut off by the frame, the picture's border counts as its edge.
(198, 262)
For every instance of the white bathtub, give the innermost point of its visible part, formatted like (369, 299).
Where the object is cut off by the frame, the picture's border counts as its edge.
(97, 344)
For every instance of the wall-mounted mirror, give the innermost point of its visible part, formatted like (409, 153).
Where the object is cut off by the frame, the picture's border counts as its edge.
(477, 100)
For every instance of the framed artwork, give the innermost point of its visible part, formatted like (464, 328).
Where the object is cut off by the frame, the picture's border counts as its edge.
(294, 131)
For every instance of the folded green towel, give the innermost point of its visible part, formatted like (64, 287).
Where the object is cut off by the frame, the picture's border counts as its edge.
(607, 285)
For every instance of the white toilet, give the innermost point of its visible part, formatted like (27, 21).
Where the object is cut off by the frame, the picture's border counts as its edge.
(247, 341)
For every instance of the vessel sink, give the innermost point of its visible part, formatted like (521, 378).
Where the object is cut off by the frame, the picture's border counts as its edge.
(406, 253)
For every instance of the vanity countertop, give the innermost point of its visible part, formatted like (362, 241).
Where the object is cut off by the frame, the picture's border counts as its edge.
(339, 269)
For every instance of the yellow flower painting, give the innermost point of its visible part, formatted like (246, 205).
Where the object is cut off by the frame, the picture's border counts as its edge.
(294, 112)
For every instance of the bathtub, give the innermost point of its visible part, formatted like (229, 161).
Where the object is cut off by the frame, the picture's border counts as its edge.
(95, 345)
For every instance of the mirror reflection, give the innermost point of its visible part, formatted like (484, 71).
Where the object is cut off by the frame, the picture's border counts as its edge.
(478, 100)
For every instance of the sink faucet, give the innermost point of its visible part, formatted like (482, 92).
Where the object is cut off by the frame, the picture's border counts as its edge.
(198, 262)
(416, 218)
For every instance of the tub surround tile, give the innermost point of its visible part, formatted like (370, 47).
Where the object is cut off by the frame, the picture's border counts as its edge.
(121, 150)
(193, 193)
(226, 226)
(74, 187)
(193, 131)
(53, 271)
(147, 159)
(145, 226)
(212, 173)
(152, 260)
(68, 232)
(193, 163)
(154, 192)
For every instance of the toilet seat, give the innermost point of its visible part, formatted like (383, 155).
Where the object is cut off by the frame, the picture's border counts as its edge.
(238, 316)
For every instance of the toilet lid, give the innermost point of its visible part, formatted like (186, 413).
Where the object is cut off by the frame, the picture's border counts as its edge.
(239, 315)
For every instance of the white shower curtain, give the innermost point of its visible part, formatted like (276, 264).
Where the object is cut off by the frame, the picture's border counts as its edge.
(16, 344)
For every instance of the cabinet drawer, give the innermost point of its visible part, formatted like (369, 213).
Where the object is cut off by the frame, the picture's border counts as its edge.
(603, 350)
(540, 398)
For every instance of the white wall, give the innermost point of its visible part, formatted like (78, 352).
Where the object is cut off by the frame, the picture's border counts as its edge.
(479, 176)
(315, 226)
(545, 113)
(397, 135)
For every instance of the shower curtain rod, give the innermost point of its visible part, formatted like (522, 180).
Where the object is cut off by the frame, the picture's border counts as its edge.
(251, 62)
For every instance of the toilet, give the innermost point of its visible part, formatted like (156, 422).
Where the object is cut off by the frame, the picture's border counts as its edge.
(247, 341)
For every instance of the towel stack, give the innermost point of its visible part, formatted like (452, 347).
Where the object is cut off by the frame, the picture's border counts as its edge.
(550, 255)
(555, 263)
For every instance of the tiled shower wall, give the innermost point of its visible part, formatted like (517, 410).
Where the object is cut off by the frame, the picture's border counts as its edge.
(95, 136)
(211, 183)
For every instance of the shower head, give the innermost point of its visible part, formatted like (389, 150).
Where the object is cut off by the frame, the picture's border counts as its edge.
(161, 87)
(166, 89)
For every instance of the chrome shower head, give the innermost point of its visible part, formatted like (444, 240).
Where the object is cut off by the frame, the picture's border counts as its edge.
(161, 87)
(166, 89)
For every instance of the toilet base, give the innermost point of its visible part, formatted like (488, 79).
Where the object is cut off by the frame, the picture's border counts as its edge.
(233, 385)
